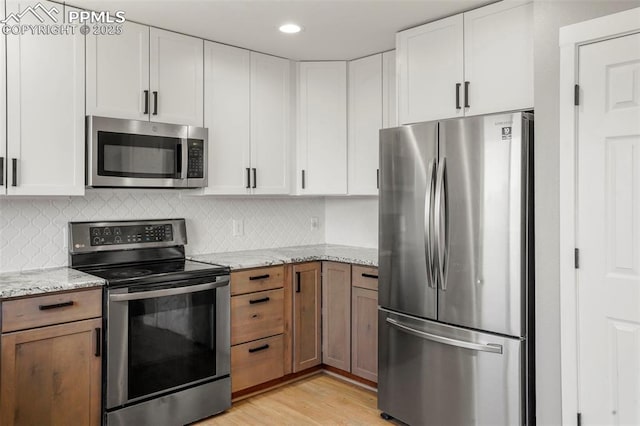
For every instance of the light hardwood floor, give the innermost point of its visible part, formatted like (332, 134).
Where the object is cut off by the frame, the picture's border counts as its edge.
(316, 400)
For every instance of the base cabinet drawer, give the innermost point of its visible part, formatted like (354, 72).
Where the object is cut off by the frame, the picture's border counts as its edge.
(259, 279)
(257, 362)
(257, 315)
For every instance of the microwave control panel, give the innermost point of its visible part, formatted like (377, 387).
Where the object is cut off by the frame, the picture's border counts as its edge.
(195, 167)
(129, 234)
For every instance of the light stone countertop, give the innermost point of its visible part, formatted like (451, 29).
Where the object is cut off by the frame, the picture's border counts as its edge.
(278, 256)
(40, 281)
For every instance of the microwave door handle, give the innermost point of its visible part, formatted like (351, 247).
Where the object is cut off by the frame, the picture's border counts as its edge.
(184, 145)
(152, 294)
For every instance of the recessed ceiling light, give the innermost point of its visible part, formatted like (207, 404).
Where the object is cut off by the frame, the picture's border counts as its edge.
(290, 28)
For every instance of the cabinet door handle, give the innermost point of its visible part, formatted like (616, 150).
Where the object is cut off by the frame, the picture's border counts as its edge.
(375, 277)
(55, 305)
(1, 171)
(259, 348)
(248, 178)
(14, 172)
(466, 94)
(264, 299)
(255, 178)
(378, 178)
(303, 185)
(297, 282)
(155, 103)
(458, 96)
(259, 277)
(146, 102)
(98, 342)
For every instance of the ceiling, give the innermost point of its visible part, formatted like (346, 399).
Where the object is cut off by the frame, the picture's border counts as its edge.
(332, 29)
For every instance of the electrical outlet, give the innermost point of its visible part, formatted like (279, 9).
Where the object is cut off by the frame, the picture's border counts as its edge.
(315, 223)
(238, 227)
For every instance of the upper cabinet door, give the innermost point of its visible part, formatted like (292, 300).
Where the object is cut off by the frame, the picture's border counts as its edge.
(227, 72)
(176, 78)
(322, 128)
(3, 115)
(430, 66)
(498, 57)
(270, 124)
(45, 114)
(118, 73)
(389, 104)
(365, 122)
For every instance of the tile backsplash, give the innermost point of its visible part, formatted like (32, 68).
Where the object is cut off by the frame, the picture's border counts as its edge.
(33, 231)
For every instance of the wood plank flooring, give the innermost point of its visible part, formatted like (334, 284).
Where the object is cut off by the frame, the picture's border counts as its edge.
(317, 400)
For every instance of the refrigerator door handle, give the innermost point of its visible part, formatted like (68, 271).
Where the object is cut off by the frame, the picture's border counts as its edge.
(428, 226)
(441, 217)
(489, 347)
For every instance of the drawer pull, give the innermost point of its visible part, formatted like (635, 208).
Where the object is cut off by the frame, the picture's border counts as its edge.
(55, 305)
(259, 348)
(264, 299)
(365, 275)
(259, 277)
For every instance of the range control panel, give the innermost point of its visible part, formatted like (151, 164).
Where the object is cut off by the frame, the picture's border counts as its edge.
(128, 234)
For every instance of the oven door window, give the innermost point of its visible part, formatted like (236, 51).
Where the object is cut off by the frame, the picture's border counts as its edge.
(138, 156)
(171, 342)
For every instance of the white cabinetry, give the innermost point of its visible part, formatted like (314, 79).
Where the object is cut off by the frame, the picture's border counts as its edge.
(389, 103)
(473, 63)
(3, 115)
(45, 114)
(322, 128)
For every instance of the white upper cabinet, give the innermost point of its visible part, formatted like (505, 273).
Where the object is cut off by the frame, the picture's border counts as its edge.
(322, 128)
(389, 104)
(365, 121)
(430, 70)
(3, 115)
(118, 73)
(227, 76)
(270, 124)
(176, 78)
(498, 57)
(45, 114)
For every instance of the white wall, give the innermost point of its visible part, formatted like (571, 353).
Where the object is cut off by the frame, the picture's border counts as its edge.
(352, 221)
(550, 15)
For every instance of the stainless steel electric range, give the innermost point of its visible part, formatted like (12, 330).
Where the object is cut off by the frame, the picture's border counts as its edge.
(167, 329)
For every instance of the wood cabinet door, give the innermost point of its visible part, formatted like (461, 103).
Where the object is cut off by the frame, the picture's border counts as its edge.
(51, 375)
(227, 73)
(498, 57)
(45, 114)
(336, 315)
(365, 122)
(118, 73)
(364, 333)
(306, 316)
(176, 78)
(430, 64)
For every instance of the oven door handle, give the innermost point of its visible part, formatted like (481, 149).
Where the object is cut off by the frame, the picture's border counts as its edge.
(167, 292)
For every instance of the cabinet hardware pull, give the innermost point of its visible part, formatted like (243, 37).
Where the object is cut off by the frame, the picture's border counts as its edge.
(155, 103)
(264, 299)
(297, 282)
(375, 277)
(259, 348)
(55, 305)
(98, 342)
(146, 102)
(458, 96)
(14, 172)
(303, 185)
(255, 178)
(248, 178)
(378, 178)
(1, 171)
(466, 94)
(259, 277)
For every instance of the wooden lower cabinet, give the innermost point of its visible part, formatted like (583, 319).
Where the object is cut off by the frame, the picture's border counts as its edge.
(336, 315)
(257, 315)
(52, 375)
(307, 284)
(257, 362)
(364, 333)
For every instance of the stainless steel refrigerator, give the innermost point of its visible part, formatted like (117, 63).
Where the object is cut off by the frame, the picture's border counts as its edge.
(456, 272)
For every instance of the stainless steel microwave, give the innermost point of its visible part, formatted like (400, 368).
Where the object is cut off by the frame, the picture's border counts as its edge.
(131, 153)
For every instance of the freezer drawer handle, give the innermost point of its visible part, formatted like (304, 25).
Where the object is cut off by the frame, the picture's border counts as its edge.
(490, 347)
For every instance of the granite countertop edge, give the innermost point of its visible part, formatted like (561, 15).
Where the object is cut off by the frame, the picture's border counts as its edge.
(43, 281)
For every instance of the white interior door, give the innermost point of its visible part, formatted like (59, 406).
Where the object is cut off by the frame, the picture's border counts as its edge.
(608, 232)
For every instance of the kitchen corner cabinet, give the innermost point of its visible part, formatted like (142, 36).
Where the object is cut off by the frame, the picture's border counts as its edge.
(45, 111)
(473, 63)
(336, 315)
(247, 114)
(364, 323)
(51, 374)
(307, 347)
(321, 145)
(146, 74)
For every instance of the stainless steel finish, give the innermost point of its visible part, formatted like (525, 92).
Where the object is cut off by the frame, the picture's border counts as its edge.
(406, 173)
(182, 407)
(441, 236)
(117, 344)
(141, 295)
(185, 160)
(95, 124)
(422, 381)
(80, 236)
(428, 226)
(200, 133)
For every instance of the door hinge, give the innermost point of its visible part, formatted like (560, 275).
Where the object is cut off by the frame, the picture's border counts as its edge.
(576, 95)
(576, 258)
(579, 419)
